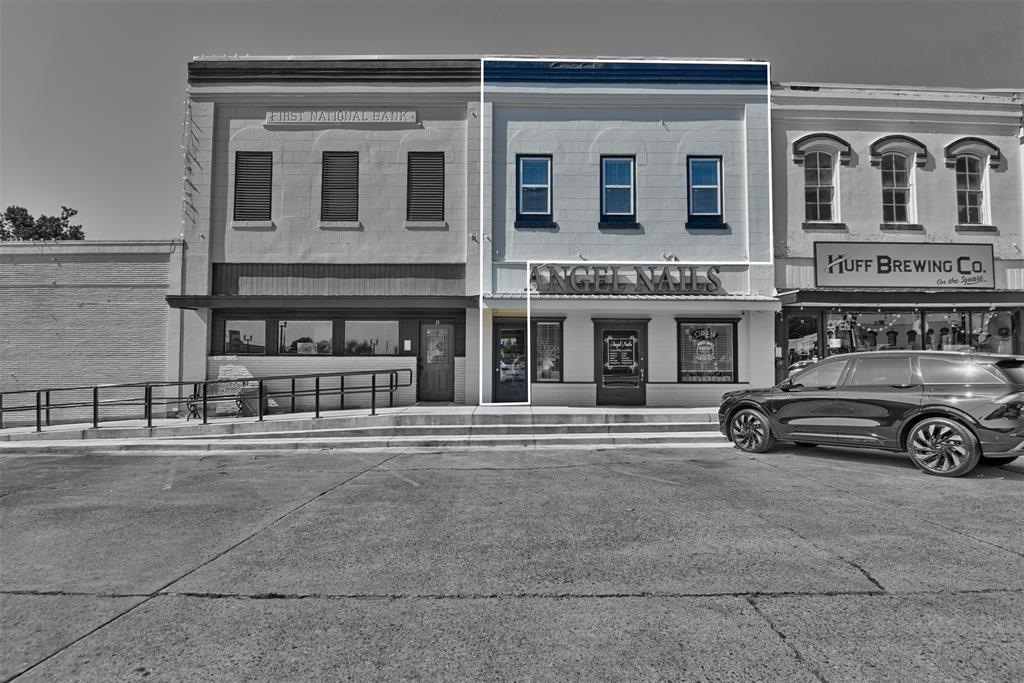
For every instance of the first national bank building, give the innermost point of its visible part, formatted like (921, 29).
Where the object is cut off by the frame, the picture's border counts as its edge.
(627, 246)
(567, 233)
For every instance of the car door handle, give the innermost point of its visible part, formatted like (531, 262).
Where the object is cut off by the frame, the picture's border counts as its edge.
(903, 386)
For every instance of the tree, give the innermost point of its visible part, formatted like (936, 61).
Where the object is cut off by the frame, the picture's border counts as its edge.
(17, 224)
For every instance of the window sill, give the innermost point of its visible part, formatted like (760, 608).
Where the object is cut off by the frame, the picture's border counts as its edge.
(629, 224)
(975, 227)
(340, 225)
(252, 225)
(901, 227)
(706, 223)
(536, 224)
(426, 225)
(823, 225)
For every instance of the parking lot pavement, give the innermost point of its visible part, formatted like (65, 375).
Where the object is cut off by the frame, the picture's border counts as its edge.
(802, 564)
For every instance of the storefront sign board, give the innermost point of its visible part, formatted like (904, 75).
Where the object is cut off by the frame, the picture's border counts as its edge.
(904, 265)
(312, 117)
(626, 279)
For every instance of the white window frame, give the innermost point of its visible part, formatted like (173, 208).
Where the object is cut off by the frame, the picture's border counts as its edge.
(911, 187)
(983, 205)
(524, 185)
(609, 186)
(835, 161)
(717, 186)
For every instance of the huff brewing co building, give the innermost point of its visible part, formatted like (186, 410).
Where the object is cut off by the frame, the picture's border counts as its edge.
(544, 231)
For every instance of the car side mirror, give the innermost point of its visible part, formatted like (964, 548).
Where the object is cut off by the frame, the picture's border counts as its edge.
(785, 385)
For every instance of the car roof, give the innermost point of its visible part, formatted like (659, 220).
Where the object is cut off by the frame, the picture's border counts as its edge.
(963, 355)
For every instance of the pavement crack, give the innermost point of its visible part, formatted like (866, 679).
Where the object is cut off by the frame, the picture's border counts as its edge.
(785, 641)
(847, 560)
(924, 517)
(147, 598)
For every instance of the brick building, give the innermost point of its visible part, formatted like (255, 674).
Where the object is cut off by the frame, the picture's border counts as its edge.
(899, 220)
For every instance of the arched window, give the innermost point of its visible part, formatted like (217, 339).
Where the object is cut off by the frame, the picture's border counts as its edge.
(969, 193)
(896, 188)
(897, 156)
(821, 155)
(819, 186)
(971, 159)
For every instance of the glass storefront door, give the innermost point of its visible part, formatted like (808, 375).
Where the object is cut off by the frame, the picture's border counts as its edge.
(510, 374)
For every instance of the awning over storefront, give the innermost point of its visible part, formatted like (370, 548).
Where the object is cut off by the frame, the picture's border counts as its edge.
(321, 302)
(939, 298)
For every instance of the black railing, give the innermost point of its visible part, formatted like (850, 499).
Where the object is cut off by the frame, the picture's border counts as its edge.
(250, 395)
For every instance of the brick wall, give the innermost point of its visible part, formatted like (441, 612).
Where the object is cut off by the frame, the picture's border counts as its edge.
(84, 313)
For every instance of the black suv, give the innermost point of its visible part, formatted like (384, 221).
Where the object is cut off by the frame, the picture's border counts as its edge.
(948, 411)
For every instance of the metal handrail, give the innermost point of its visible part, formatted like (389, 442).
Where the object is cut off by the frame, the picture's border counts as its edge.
(202, 396)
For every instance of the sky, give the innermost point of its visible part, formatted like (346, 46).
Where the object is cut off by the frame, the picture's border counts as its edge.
(91, 91)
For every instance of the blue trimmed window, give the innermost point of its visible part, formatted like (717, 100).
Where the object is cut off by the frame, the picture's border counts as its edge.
(704, 178)
(618, 191)
(533, 191)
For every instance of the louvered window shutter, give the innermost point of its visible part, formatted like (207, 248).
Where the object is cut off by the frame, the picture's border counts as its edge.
(252, 185)
(340, 197)
(426, 186)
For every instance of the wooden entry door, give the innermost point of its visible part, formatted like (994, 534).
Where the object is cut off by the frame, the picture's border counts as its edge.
(436, 363)
(510, 372)
(620, 362)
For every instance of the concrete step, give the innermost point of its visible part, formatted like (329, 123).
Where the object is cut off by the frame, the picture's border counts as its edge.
(279, 444)
(454, 416)
(475, 430)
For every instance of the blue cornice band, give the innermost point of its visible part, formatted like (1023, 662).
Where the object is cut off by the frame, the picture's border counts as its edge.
(624, 72)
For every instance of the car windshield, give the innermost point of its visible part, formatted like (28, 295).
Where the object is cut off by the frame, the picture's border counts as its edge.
(1013, 369)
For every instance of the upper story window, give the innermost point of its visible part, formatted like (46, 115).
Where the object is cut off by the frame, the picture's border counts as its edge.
(339, 199)
(969, 194)
(618, 189)
(821, 155)
(897, 156)
(705, 191)
(819, 187)
(533, 200)
(253, 174)
(971, 159)
(426, 187)
(895, 188)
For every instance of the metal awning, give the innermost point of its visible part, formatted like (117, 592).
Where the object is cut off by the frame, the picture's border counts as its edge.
(894, 298)
(320, 302)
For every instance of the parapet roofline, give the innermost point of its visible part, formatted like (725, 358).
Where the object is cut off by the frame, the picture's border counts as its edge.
(465, 57)
(802, 88)
(369, 70)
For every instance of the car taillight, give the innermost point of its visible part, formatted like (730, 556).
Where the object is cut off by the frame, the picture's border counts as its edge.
(1013, 405)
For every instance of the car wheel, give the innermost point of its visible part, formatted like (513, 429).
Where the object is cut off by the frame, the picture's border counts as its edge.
(943, 447)
(804, 444)
(997, 461)
(749, 430)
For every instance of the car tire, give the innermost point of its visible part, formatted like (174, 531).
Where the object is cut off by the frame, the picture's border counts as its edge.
(997, 461)
(943, 447)
(804, 444)
(750, 431)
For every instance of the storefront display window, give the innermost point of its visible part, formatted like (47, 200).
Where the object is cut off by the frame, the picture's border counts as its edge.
(846, 331)
(548, 336)
(304, 337)
(245, 337)
(945, 331)
(707, 351)
(993, 331)
(803, 339)
(371, 338)
(849, 331)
